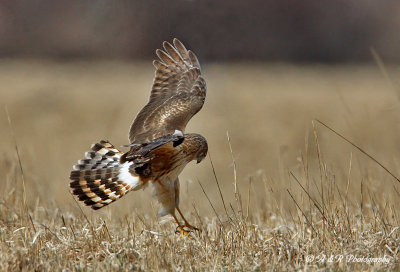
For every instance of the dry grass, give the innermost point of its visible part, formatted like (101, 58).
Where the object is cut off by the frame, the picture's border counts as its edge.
(288, 189)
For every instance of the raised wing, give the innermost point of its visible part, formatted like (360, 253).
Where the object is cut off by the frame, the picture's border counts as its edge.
(177, 94)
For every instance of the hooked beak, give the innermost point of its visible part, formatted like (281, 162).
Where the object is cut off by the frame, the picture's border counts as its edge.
(199, 159)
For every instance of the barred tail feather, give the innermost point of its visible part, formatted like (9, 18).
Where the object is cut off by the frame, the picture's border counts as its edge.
(100, 178)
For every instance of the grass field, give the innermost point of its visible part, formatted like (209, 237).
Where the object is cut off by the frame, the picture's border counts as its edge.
(305, 199)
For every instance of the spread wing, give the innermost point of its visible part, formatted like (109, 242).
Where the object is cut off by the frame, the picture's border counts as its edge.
(177, 94)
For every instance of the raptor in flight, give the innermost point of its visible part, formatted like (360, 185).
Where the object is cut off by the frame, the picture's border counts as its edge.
(159, 146)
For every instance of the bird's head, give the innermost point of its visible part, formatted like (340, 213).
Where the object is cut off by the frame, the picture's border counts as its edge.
(195, 147)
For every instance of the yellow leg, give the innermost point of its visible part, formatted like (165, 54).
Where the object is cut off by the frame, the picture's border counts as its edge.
(186, 222)
(180, 229)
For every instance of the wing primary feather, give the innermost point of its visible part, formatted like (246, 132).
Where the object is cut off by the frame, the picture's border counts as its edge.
(194, 59)
(168, 60)
(173, 53)
(159, 65)
(182, 50)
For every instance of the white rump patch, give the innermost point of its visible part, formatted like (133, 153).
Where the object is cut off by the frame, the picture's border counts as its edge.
(178, 133)
(125, 176)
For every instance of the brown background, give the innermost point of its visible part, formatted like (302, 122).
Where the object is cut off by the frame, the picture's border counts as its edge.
(288, 30)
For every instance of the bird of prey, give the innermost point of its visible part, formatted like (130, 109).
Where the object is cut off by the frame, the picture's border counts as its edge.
(159, 146)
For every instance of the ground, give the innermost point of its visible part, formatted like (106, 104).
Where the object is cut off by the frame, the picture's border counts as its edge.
(287, 193)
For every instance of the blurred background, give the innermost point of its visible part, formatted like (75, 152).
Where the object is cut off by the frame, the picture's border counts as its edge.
(288, 30)
(75, 72)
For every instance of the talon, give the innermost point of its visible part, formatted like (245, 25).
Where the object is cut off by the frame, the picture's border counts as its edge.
(181, 229)
(183, 232)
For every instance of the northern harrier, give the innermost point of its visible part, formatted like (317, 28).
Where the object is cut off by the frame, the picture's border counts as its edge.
(159, 148)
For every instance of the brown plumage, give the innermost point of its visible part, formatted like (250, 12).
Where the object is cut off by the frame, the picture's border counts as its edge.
(178, 93)
(159, 149)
